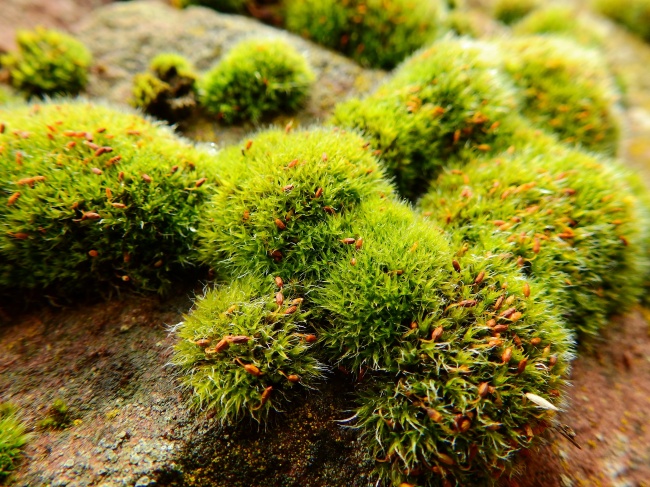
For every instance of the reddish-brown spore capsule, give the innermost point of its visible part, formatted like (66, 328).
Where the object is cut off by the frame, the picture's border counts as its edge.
(251, 369)
(147, 178)
(310, 338)
(483, 389)
(508, 313)
(200, 182)
(291, 310)
(280, 224)
(223, 344)
(479, 278)
(93, 253)
(13, 198)
(97, 171)
(506, 355)
(90, 215)
(358, 244)
(279, 299)
(347, 241)
(522, 365)
(456, 265)
(318, 193)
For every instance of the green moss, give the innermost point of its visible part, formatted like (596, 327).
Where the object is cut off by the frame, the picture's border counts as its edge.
(168, 90)
(562, 21)
(510, 11)
(168, 65)
(633, 14)
(279, 209)
(257, 78)
(238, 326)
(58, 416)
(567, 90)
(375, 33)
(567, 218)
(96, 196)
(414, 318)
(48, 62)
(465, 23)
(230, 6)
(6, 96)
(444, 100)
(12, 438)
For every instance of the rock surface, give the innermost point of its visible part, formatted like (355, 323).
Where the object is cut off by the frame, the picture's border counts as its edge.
(124, 37)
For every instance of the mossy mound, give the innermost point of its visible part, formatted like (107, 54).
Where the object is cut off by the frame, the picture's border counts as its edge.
(392, 276)
(375, 33)
(96, 196)
(167, 91)
(245, 348)
(510, 11)
(447, 346)
(633, 14)
(48, 62)
(447, 99)
(257, 78)
(569, 219)
(560, 20)
(567, 90)
(13, 437)
(279, 209)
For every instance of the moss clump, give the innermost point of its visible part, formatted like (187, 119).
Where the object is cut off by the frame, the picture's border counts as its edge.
(6, 96)
(93, 196)
(257, 78)
(567, 90)
(279, 209)
(448, 345)
(443, 100)
(230, 6)
(12, 438)
(168, 90)
(48, 62)
(510, 11)
(633, 14)
(562, 21)
(245, 348)
(58, 416)
(567, 218)
(375, 33)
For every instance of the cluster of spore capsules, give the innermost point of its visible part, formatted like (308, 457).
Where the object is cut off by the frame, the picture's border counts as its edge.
(446, 241)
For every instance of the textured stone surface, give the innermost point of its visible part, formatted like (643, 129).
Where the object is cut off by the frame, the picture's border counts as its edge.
(124, 37)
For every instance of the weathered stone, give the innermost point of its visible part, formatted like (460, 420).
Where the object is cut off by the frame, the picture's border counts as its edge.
(124, 37)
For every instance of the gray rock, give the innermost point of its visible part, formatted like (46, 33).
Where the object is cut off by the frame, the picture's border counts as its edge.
(125, 36)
